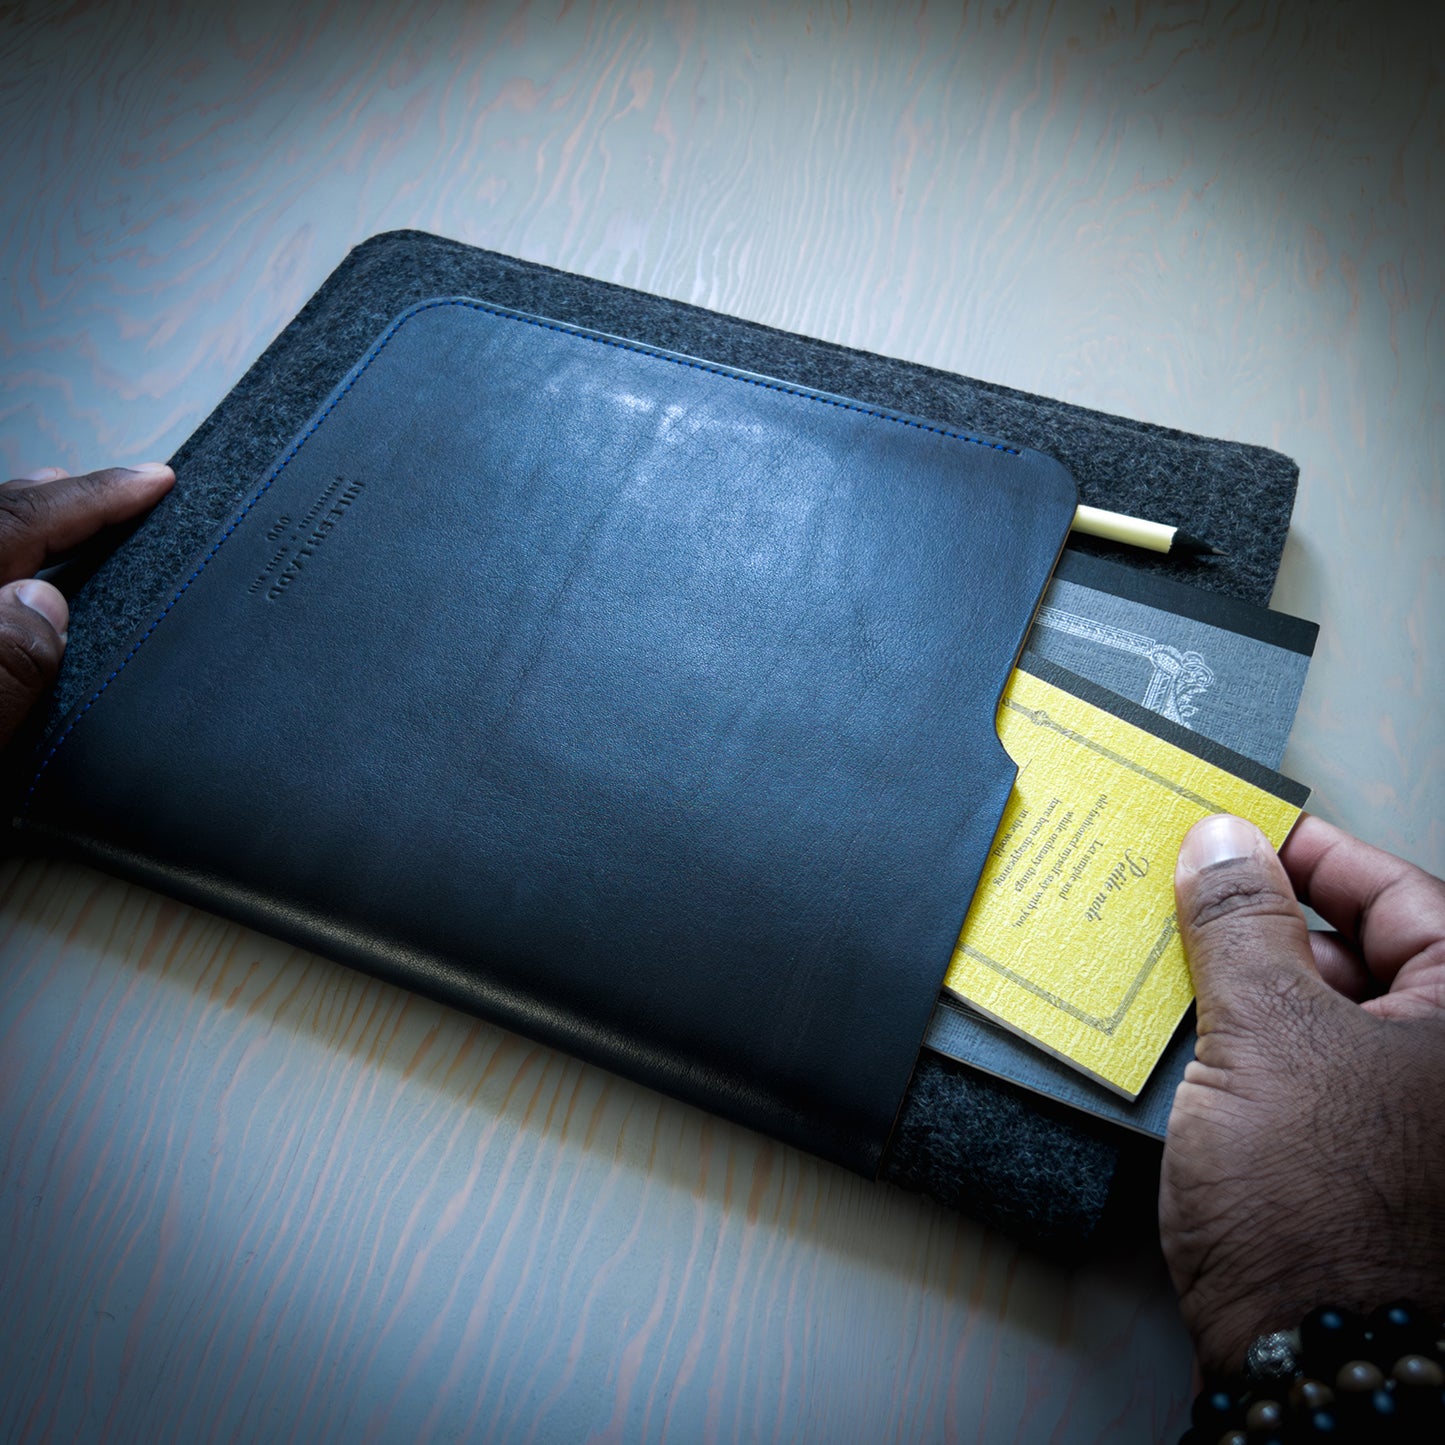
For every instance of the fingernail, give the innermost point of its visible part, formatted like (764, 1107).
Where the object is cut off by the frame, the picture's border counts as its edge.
(1219, 839)
(41, 597)
(148, 469)
(45, 474)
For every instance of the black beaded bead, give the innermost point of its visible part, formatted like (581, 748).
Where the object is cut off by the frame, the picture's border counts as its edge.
(1319, 1425)
(1399, 1329)
(1329, 1336)
(1264, 1415)
(1214, 1412)
(1413, 1372)
(1308, 1394)
(1383, 1420)
(1358, 1377)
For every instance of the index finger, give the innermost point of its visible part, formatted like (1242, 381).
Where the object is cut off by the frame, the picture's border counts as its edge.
(38, 522)
(1390, 909)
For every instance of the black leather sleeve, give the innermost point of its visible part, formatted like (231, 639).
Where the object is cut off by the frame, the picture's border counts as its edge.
(637, 703)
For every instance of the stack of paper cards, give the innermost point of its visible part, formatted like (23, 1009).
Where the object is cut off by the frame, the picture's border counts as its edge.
(1241, 670)
(1071, 938)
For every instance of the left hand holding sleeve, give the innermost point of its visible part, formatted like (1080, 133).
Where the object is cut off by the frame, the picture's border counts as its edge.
(41, 516)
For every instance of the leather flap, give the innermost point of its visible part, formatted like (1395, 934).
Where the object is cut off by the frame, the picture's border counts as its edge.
(640, 705)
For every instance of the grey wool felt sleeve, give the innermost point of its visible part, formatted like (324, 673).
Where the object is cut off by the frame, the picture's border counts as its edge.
(973, 1142)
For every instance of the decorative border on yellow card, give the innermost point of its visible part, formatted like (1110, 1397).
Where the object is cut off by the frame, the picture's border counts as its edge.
(1040, 718)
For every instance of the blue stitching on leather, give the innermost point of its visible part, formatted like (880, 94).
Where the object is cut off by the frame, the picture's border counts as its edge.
(376, 351)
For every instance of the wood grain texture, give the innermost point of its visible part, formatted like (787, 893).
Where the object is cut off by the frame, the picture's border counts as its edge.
(252, 1194)
(247, 1194)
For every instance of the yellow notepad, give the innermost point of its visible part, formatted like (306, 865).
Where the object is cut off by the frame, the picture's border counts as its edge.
(1071, 938)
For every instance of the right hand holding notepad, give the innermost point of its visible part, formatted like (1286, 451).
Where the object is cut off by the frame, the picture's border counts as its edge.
(1305, 1160)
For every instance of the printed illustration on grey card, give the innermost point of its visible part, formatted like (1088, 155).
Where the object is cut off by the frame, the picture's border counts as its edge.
(1176, 677)
(1236, 689)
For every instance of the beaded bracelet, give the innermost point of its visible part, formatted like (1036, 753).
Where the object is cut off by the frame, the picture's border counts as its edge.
(1339, 1376)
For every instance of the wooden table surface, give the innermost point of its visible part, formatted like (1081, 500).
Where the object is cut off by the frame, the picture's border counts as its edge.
(247, 1194)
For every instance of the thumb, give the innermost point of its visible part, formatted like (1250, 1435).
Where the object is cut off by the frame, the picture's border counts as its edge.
(33, 619)
(1244, 935)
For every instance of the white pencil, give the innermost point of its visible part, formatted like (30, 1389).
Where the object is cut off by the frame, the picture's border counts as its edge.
(1136, 532)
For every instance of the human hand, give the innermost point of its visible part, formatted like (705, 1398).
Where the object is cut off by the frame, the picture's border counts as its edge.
(1305, 1158)
(41, 516)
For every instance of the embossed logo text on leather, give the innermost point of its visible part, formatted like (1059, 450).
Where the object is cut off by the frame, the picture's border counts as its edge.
(299, 541)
